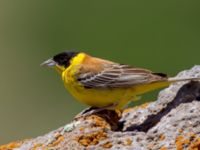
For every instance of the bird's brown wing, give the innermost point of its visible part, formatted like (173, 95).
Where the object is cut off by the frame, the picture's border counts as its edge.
(118, 76)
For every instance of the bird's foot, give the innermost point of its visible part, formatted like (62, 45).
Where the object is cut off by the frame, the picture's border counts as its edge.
(93, 110)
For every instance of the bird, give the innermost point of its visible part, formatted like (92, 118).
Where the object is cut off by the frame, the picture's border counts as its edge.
(105, 84)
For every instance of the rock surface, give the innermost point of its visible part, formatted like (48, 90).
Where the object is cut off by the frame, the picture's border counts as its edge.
(171, 122)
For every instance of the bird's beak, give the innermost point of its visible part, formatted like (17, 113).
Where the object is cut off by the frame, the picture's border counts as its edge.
(48, 63)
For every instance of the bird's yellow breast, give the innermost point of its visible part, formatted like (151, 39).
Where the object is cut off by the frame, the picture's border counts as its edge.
(89, 96)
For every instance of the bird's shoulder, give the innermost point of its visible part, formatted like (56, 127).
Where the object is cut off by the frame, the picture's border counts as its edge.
(94, 64)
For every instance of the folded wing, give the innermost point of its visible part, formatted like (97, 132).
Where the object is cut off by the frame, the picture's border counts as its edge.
(118, 76)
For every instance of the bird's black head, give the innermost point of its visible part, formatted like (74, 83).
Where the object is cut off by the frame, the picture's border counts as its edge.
(63, 59)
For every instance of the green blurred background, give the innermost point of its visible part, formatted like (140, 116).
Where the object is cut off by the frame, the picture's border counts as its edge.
(163, 36)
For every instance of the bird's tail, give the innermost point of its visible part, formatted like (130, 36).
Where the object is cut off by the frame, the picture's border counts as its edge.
(175, 79)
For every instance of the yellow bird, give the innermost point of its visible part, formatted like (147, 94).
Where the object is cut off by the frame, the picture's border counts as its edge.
(105, 84)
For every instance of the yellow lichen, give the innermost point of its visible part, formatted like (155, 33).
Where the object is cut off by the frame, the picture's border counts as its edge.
(11, 146)
(92, 138)
(192, 141)
(107, 145)
(195, 145)
(161, 137)
(181, 142)
(59, 139)
(37, 146)
(99, 122)
(163, 148)
(128, 142)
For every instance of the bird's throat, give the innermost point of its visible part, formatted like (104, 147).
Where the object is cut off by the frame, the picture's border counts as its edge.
(59, 69)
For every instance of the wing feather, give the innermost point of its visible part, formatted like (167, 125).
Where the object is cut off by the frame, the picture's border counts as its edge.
(116, 76)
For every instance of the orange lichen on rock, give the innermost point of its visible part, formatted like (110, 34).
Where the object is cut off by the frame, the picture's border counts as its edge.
(161, 137)
(38, 145)
(163, 148)
(195, 145)
(181, 142)
(59, 139)
(192, 142)
(192, 136)
(11, 146)
(99, 122)
(128, 142)
(107, 145)
(92, 138)
(81, 129)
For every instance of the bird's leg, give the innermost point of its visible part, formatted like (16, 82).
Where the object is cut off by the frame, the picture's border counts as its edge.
(93, 110)
(87, 112)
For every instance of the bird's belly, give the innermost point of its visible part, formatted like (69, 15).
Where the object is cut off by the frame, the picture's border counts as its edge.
(97, 97)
